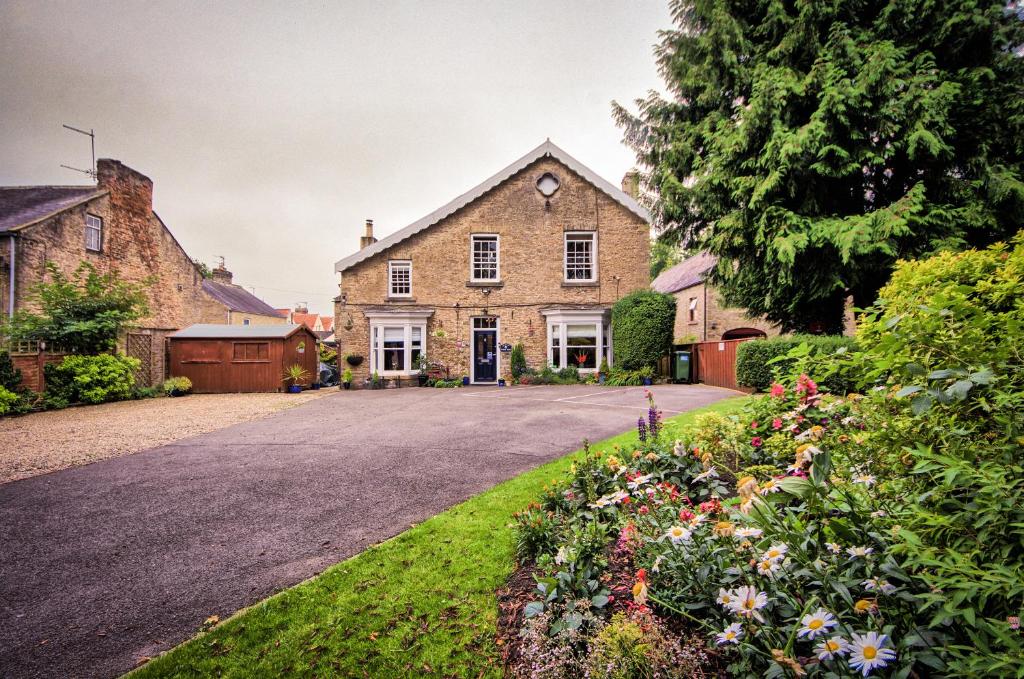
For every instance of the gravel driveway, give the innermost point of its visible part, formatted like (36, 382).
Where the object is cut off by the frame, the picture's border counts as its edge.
(104, 565)
(46, 442)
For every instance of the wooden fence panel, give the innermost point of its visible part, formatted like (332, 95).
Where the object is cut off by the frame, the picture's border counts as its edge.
(716, 363)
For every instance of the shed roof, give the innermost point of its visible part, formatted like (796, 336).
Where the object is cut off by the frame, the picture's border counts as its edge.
(222, 331)
(237, 298)
(685, 274)
(23, 205)
(547, 149)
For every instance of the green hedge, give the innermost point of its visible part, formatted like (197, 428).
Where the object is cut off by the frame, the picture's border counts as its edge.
(91, 379)
(754, 370)
(642, 327)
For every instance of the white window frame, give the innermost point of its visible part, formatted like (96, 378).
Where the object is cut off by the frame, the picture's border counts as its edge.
(557, 322)
(593, 256)
(407, 321)
(391, 265)
(472, 257)
(94, 225)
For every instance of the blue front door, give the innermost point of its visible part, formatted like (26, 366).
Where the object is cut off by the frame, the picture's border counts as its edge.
(485, 355)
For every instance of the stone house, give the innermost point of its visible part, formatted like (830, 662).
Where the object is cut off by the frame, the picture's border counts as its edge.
(112, 226)
(233, 304)
(536, 254)
(700, 314)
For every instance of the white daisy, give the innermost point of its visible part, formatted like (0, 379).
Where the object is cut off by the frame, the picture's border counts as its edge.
(769, 486)
(657, 564)
(748, 532)
(711, 473)
(775, 552)
(883, 586)
(731, 634)
(869, 652)
(768, 567)
(827, 649)
(878, 514)
(833, 547)
(818, 622)
(859, 551)
(726, 598)
(678, 534)
(639, 481)
(867, 479)
(748, 602)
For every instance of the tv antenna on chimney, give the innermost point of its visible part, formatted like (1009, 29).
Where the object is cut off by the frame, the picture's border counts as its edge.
(92, 138)
(221, 264)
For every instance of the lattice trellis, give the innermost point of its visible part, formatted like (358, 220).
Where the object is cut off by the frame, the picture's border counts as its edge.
(141, 347)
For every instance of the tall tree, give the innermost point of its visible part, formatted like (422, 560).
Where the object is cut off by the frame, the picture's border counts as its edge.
(809, 144)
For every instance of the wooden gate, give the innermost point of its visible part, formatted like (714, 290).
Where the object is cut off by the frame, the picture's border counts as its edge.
(140, 346)
(716, 363)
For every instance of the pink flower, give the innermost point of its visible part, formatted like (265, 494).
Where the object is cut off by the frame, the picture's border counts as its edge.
(777, 424)
(753, 425)
(805, 385)
(756, 441)
(778, 391)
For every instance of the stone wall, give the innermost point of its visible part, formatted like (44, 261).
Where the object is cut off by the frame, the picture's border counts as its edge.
(239, 318)
(531, 231)
(711, 318)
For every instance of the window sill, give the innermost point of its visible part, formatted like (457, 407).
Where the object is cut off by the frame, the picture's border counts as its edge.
(485, 284)
(580, 284)
(401, 299)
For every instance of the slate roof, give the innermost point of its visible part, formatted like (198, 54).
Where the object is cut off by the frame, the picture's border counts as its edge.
(547, 149)
(221, 331)
(685, 274)
(237, 298)
(23, 205)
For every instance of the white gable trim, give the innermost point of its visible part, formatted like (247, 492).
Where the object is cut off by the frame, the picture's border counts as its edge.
(547, 149)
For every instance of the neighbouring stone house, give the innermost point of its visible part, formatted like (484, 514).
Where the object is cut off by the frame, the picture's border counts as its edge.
(112, 226)
(700, 314)
(234, 305)
(537, 254)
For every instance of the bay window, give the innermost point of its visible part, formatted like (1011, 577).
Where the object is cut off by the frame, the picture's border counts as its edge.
(397, 341)
(579, 338)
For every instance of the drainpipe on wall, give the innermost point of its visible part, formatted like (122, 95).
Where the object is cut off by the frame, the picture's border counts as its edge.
(10, 290)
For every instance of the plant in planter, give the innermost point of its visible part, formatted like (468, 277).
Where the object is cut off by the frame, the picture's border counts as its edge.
(376, 382)
(177, 386)
(422, 376)
(354, 360)
(295, 374)
(346, 378)
(465, 380)
(602, 373)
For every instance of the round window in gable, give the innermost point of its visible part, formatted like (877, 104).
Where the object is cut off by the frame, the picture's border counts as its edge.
(548, 184)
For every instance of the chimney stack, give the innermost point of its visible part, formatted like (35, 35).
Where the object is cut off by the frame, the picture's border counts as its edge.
(367, 239)
(220, 274)
(301, 308)
(631, 184)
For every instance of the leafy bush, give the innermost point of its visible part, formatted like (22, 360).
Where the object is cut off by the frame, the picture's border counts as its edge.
(447, 384)
(570, 374)
(139, 393)
(628, 378)
(518, 361)
(90, 379)
(8, 400)
(638, 646)
(177, 386)
(83, 312)
(758, 364)
(10, 377)
(642, 326)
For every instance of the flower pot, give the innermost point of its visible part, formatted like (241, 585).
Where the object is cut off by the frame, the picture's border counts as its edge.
(600, 379)
(178, 392)
(354, 360)
(648, 381)
(501, 383)
(422, 379)
(465, 381)
(346, 385)
(294, 389)
(316, 385)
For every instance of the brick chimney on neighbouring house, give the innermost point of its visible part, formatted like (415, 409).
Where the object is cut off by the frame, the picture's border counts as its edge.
(631, 184)
(129, 190)
(301, 309)
(367, 239)
(220, 274)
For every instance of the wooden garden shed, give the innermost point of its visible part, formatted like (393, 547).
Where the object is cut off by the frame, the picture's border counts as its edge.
(241, 358)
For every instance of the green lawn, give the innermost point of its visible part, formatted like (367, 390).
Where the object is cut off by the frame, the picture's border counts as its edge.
(420, 603)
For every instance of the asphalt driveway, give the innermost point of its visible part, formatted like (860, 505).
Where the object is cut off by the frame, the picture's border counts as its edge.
(104, 565)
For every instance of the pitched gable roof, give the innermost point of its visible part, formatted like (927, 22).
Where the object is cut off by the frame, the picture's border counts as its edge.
(24, 205)
(685, 274)
(237, 298)
(547, 149)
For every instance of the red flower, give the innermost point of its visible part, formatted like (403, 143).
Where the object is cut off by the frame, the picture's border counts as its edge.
(778, 391)
(777, 424)
(753, 425)
(756, 442)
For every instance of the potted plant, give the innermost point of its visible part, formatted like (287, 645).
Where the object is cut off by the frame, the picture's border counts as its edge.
(346, 378)
(177, 386)
(465, 380)
(647, 373)
(501, 381)
(602, 374)
(295, 374)
(354, 360)
(421, 377)
(375, 381)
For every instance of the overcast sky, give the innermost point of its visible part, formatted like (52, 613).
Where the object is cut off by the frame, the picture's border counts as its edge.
(271, 131)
